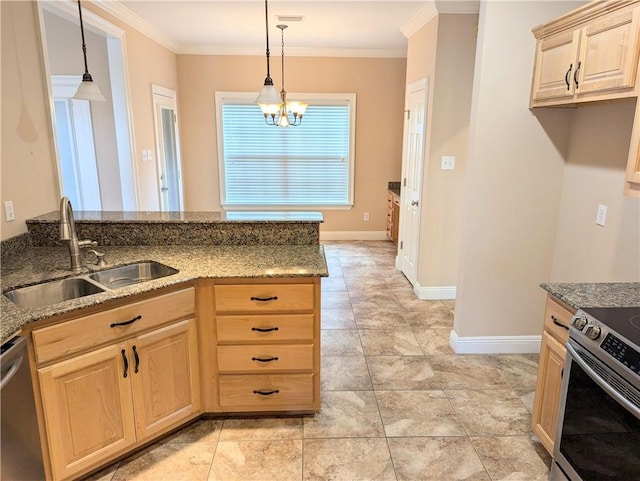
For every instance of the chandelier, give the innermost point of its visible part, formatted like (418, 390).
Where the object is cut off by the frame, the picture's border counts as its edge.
(275, 107)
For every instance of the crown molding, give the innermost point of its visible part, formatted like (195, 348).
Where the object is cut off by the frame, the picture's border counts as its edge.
(293, 51)
(434, 8)
(122, 13)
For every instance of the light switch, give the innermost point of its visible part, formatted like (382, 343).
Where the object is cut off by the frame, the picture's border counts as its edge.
(9, 215)
(448, 162)
(601, 215)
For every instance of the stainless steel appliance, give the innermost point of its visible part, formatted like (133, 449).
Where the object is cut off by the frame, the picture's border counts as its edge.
(21, 456)
(598, 432)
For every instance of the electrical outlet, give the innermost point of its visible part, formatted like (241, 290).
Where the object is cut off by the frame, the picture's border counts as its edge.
(9, 215)
(601, 215)
(448, 162)
(365, 217)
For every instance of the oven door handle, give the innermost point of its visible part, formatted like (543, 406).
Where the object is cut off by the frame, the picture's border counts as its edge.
(600, 382)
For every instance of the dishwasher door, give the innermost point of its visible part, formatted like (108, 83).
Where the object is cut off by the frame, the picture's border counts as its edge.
(21, 456)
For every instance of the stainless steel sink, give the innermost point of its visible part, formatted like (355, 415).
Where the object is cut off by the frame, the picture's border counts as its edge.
(53, 292)
(132, 274)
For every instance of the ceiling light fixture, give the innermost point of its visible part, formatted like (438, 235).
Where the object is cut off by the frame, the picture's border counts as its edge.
(87, 90)
(276, 108)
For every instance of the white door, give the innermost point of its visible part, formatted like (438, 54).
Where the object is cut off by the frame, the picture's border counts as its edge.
(412, 165)
(76, 151)
(168, 148)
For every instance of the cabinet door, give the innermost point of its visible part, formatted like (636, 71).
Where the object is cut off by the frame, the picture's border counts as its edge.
(164, 373)
(87, 408)
(609, 53)
(555, 64)
(547, 400)
(632, 177)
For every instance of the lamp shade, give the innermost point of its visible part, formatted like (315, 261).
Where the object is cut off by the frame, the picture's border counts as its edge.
(88, 90)
(269, 100)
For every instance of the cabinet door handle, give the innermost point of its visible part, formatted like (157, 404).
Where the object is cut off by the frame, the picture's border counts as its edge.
(575, 74)
(558, 323)
(566, 76)
(266, 393)
(126, 323)
(137, 358)
(264, 359)
(264, 329)
(126, 363)
(264, 299)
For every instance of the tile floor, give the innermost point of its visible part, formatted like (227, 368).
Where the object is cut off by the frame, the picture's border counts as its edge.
(397, 403)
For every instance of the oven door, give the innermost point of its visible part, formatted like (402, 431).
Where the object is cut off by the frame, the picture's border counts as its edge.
(598, 434)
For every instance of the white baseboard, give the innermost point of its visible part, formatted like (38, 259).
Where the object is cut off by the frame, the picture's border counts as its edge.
(353, 235)
(494, 344)
(431, 293)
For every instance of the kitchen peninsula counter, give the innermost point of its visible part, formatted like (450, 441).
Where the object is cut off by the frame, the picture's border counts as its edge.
(199, 245)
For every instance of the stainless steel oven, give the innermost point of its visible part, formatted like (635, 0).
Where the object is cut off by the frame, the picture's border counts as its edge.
(598, 431)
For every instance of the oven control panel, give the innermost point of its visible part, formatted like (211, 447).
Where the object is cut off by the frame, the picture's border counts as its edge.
(621, 351)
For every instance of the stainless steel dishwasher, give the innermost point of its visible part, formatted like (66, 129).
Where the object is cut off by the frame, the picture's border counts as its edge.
(21, 456)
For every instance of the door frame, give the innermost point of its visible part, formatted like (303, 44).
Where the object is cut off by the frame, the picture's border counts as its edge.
(164, 97)
(422, 84)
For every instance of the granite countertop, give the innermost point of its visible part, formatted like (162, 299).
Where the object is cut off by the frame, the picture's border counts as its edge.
(183, 217)
(394, 188)
(38, 264)
(579, 295)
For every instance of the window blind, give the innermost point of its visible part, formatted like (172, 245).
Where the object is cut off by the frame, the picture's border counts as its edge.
(306, 165)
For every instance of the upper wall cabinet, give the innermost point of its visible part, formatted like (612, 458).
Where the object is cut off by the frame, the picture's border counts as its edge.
(588, 54)
(632, 179)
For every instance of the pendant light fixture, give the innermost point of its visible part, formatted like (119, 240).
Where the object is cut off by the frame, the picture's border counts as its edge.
(87, 90)
(276, 108)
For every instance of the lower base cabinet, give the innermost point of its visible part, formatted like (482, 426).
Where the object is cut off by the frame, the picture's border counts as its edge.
(98, 404)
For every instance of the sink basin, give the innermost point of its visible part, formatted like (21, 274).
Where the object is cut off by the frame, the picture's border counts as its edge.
(132, 274)
(52, 292)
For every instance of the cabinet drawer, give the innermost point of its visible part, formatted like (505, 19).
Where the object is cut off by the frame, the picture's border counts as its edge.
(556, 314)
(262, 392)
(260, 358)
(264, 297)
(265, 328)
(76, 335)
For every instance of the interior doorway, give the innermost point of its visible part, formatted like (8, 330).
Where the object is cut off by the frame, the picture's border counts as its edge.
(168, 148)
(412, 169)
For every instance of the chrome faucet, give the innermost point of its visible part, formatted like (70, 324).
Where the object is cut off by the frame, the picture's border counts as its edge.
(68, 234)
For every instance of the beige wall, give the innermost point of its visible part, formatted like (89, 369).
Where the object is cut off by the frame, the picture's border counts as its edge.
(379, 88)
(514, 179)
(65, 58)
(594, 174)
(29, 176)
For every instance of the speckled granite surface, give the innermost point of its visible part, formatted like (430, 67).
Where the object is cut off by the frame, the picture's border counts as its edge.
(13, 245)
(615, 294)
(394, 187)
(183, 228)
(38, 264)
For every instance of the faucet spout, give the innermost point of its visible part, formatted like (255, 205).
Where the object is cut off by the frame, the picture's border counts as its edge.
(69, 235)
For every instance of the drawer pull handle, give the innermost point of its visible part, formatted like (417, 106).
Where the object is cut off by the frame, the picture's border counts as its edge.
(558, 323)
(137, 358)
(266, 393)
(264, 359)
(264, 329)
(264, 299)
(126, 363)
(126, 323)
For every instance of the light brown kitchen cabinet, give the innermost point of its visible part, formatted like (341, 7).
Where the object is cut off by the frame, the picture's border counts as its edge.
(632, 177)
(99, 403)
(550, 365)
(267, 346)
(588, 54)
(393, 216)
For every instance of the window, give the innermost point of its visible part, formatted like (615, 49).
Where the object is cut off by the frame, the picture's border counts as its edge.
(307, 166)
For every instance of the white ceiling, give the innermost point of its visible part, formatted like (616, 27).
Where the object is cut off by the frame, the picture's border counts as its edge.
(343, 28)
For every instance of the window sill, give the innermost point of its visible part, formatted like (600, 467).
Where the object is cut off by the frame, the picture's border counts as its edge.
(232, 207)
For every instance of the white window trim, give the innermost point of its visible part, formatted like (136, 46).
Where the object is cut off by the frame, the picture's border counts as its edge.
(312, 98)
